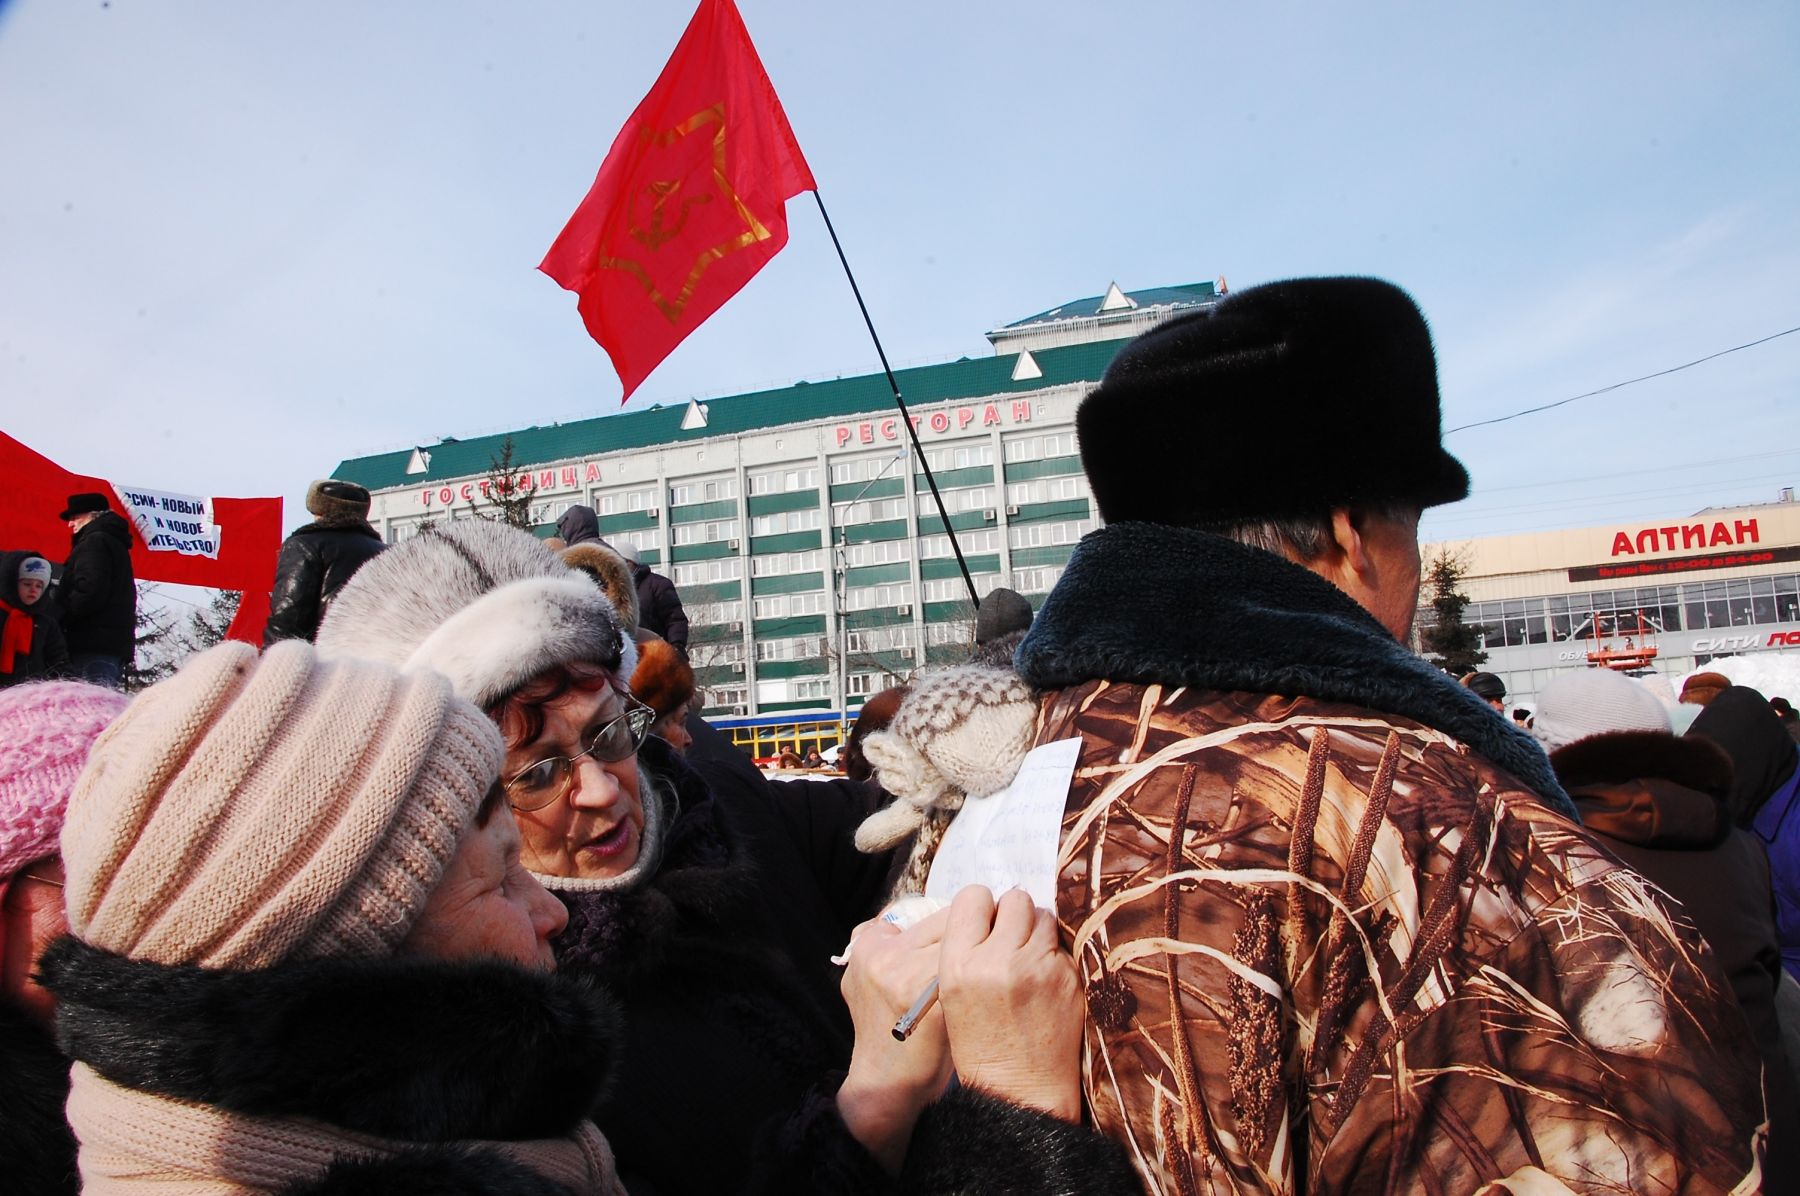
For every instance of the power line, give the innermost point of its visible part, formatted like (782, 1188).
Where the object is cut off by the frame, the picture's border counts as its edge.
(1674, 369)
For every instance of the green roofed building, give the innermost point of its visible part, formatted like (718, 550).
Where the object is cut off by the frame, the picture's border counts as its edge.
(814, 566)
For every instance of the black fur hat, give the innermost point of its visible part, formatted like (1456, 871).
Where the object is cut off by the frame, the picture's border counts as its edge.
(1288, 399)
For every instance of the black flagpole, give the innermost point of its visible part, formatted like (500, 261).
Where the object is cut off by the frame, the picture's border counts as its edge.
(899, 402)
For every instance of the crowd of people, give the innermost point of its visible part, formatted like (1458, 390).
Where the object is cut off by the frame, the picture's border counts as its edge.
(450, 889)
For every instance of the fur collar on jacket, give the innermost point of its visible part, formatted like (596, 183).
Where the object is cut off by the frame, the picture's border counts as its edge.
(417, 1050)
(624, 935)
(36, 1146)
(1149, 604)
(1650, 788)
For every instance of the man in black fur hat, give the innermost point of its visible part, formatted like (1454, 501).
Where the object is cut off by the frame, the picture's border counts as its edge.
(1338, 924)
(319, 558)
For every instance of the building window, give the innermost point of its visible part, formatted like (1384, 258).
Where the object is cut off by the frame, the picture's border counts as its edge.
(811, 689)
(793, 647)
(784, 480)
(982, 540)
(1036, 581)
(1037, 447)
(696, 573)
(728, 697)
(865, 469)
(967, 498)
(784, 606)
(785, 521)
(712, 531)
(877, 552)
(870, 597)
(642, 540)
(871, 511)
(952, 632)
(714, 614)
(1038, 535)
(682, 494)
(776, 564)
(865, 684)
(717, 652)
(879, 639)
(620, 502)
(965, 455)
(1046, 490)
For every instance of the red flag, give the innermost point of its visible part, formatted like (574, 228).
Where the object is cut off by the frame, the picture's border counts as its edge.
(229, 545)
(690, 202)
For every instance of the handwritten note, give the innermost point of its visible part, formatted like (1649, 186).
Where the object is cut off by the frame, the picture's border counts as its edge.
(1009, 840)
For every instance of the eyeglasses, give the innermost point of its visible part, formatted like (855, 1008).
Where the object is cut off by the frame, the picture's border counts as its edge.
(547, 781)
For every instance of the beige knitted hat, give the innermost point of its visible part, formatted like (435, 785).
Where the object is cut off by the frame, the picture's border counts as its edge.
(248, 811)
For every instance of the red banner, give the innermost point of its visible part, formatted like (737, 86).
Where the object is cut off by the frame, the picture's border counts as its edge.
(248, 541)
(690, 202)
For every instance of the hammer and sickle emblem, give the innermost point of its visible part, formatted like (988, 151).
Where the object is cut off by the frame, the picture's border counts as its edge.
(662, 193)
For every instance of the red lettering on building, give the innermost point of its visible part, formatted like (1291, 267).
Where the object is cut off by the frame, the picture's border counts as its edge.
(1021, 410)
(593, 472)
(1783, 639)
(990, 416)
(570, 477)
(865, 433)
(1650, 533)
(1719, 536)
(1621, 545)
(890, 429)
(965, 416)
(843, 435)
(940, 421)
(468, 492)
(1746, 532)
(425, 497)
(1693, 536)
(546, 479)
(446, 496)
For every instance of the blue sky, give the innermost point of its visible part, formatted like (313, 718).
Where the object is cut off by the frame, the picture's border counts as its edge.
(239, 242)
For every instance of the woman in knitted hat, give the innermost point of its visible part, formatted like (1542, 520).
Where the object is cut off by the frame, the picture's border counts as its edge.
(712, 921)
(303, 953)
(45, 733)
(31, 638)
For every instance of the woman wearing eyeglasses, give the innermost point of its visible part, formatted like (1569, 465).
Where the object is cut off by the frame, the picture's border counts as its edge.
(711, 922)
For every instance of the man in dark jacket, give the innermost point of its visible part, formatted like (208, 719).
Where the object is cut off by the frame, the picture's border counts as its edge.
(98, 594)
(579, 525)
(659, 606)
(319, 558)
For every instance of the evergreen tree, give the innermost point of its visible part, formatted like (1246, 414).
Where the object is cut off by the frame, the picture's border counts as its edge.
(507, 501)
(155, 643)
(207, 625)
(1453, 645)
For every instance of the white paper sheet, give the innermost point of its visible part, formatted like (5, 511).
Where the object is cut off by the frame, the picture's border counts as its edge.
(1010, 839)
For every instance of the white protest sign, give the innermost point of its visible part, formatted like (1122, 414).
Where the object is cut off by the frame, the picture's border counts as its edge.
(1010, 840)
(181, 523)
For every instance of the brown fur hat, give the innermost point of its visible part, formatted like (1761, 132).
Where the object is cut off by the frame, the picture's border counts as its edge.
(337, 502)
(611, 572)
(664, 679)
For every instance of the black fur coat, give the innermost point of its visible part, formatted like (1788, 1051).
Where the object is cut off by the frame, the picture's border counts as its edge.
(37, 1151)
(421, 1051)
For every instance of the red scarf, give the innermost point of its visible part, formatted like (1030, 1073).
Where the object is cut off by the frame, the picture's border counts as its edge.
(16, 638)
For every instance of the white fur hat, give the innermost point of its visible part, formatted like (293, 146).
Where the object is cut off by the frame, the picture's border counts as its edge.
(1591, 702)
(487, 605)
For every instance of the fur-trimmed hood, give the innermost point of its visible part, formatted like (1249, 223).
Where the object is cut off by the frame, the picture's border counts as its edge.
(485, 604)
(1206, 612)
(612, 572)
(1650, 788)
(416, 1050)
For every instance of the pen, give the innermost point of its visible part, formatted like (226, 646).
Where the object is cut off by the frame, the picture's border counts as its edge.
(909, 1021)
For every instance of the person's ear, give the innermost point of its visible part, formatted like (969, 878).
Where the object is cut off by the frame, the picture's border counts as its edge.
(1350, 549)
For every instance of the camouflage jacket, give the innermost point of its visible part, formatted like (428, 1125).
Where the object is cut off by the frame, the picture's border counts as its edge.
(1328, 949)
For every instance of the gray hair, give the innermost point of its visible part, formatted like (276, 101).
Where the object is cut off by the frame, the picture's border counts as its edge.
(1305, 538)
